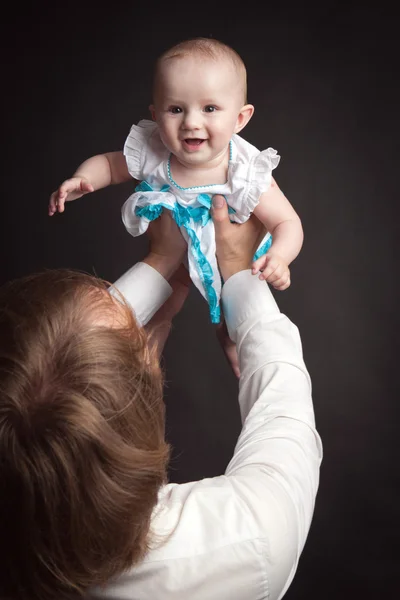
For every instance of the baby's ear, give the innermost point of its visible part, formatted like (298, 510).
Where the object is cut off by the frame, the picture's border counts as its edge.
(153, 112)
(244, 117)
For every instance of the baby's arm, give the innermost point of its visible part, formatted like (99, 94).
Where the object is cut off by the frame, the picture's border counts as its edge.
(93, 174)
(282, 221)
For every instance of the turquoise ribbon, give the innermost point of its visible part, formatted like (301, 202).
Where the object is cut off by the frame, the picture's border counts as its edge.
(183, 216)
(263, 249)
(143, 186)
(205, 200)
(150, 212)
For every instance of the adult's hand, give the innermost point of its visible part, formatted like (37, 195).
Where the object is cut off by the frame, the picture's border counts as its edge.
(167, 246)
(236, 244)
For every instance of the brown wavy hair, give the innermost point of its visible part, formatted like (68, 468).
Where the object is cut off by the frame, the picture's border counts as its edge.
(82, 447)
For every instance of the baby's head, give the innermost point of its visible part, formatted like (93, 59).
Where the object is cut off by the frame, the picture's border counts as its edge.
(199, 99)
(201, 53)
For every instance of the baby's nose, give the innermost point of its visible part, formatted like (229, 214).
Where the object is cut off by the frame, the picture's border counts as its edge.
(192, 120)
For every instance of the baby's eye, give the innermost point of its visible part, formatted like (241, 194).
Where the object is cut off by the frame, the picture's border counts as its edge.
(175, 110)
(210, 108)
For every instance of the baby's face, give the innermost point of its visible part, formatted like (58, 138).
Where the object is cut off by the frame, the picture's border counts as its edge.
(197, 104)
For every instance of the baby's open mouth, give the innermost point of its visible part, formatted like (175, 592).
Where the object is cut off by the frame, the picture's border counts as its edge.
(193, 141)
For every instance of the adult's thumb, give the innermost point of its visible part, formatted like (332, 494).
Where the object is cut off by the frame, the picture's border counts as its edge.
(219, 211)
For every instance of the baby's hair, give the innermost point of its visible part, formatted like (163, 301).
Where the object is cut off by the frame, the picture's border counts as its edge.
(208, 48)
(82, 448)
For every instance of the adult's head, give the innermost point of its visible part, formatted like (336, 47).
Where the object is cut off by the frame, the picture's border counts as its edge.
(82, 449)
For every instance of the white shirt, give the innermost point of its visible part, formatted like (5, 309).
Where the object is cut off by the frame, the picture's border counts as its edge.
(238, 536)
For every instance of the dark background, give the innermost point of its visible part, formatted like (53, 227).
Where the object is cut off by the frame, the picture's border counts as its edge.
(325, 87)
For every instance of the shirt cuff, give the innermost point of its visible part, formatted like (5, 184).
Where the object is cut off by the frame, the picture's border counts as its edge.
(244, 296)
(144, 289)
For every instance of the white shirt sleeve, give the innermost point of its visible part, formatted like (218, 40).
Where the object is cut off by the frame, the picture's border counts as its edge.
(144, 289)
(275, 467)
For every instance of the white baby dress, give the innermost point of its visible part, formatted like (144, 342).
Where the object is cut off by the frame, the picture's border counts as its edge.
(148, 161)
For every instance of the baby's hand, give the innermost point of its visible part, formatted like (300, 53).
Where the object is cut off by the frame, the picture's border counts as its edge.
(70, 189)
(274, 270)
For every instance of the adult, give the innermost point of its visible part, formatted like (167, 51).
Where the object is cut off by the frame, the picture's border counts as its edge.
(85, 507)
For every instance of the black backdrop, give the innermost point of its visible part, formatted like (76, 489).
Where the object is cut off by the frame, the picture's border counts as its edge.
(325, 89)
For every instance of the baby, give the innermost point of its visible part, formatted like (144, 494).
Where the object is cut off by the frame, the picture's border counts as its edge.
(191, 151)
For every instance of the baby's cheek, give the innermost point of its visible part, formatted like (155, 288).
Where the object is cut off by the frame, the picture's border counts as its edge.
(166, 137)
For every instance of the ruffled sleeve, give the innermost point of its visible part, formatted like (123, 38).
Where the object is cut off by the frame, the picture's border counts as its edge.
(252, 180)
(136, 146)
(261, 168)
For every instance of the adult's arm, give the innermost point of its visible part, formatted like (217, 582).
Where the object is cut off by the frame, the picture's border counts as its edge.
(274, 472)
(275, 467)
(145, 290)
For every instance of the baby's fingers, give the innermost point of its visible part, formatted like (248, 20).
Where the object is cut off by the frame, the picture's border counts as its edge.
(277, 273)
(283, 282)
(259, 264)
(269, 272)
(68, 187)
(61, 202)
(53, 203)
